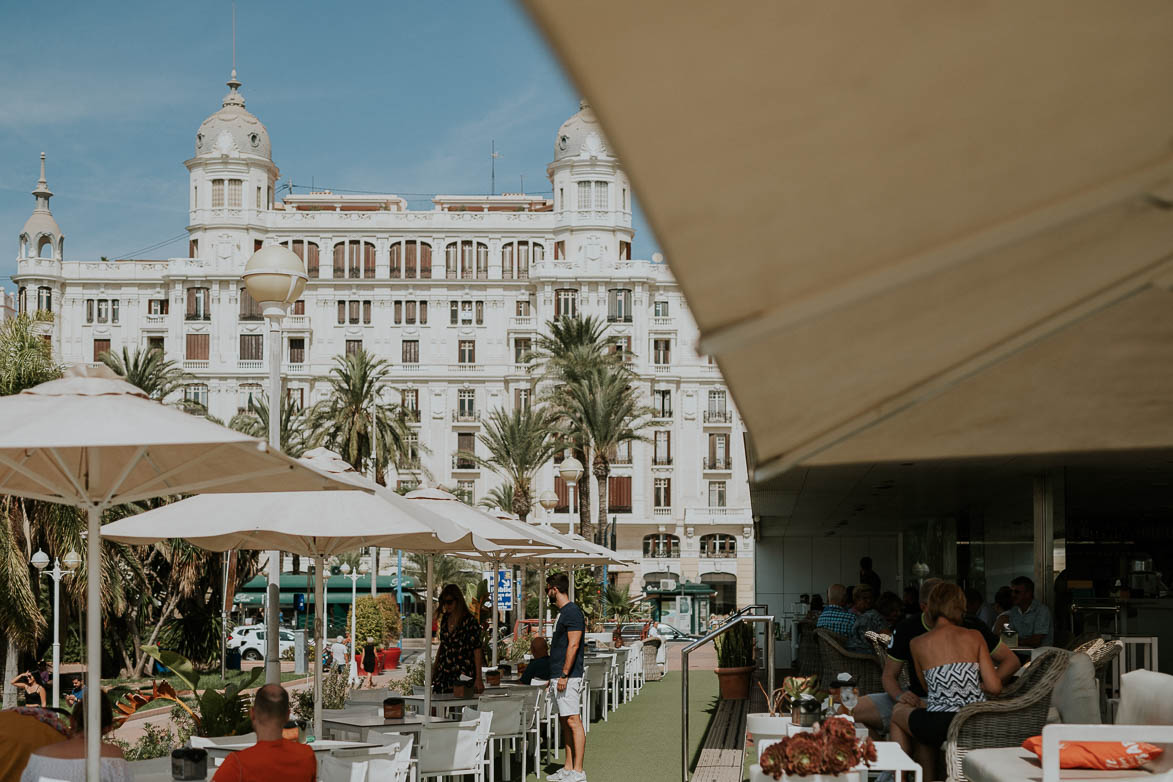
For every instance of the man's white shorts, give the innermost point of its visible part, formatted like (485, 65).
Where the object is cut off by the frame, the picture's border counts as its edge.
(569, 700)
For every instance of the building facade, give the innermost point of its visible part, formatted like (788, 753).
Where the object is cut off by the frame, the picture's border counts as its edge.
(453, 297)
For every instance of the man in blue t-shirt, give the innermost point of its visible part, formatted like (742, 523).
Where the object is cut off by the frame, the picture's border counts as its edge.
(566, 650)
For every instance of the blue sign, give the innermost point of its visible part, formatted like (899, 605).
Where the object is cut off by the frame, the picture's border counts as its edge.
(505, 590)
(299, 601)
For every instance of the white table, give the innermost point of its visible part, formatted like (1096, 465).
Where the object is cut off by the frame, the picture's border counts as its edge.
(889, 757)
(159, 769)
(362, 719)
(443, 700)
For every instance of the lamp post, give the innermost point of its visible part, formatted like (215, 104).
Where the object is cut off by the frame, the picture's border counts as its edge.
(353, 576)
(571, 471)
(548, 500)
(275, 278)
(40, 562)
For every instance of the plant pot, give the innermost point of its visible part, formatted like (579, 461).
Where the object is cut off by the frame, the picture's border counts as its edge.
(734, 682)
(805, 718)
(391, 658)
(763, 730)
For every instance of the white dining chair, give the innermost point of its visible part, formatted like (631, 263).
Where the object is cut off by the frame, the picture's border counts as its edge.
(454, 748)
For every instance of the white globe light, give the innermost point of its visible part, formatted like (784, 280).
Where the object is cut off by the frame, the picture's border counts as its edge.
(570, 470)
(72, 560)
(40, 560)
(275, 277)
(548, 500)
(345, 568)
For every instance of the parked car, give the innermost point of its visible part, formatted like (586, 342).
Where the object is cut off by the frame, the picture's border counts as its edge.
(239, 634)
(670, 633)
(253, 645)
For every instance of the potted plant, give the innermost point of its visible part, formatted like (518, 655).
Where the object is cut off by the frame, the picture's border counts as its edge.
(764, 728)
(829, 753)
(735, 661)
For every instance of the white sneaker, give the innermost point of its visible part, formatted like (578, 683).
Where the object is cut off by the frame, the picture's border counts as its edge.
(576, 776)
(561, 775)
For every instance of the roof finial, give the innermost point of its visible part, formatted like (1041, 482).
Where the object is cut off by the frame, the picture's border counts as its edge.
(233, 98)
(42, 180)
(42, 193)
(234, 40)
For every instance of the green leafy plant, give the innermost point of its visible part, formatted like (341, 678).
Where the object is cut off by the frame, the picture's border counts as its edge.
(517, 648)
(414, 677)
(413, 626)
(393, 623)
(335, 691)
(735, 647)
(156, 742)
(370, 621)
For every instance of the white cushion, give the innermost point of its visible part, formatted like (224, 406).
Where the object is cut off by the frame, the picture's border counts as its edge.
(1146, 698)
(1076, 699)
(1003, 765)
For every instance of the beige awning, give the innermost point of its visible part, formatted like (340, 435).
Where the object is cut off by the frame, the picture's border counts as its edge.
(905, 229)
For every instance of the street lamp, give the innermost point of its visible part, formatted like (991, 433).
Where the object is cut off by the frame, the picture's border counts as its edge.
(353, 576)
(275, 278)
(548, 500)
(571, 471)
(40, 562)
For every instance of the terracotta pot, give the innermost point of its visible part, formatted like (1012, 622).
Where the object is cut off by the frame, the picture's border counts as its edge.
(493, 678)
(734, 682)
(391, 657)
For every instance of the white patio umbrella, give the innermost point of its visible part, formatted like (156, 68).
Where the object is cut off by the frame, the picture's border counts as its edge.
(92, 440)
(311, 524)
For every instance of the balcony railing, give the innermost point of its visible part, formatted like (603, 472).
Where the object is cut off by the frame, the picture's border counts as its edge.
(251, 364)
(198, 316)
(297, 322)
(248, 317)
(718, 417)
(718, 514)
(521, 322)
(717, 554)
(661, 554)
(155, 321)
(464, 464)
(461, 368)
(619, 319)
(411, 415)
(409, 465)
(621, 460)
(662, 369)
(662, 415)
(195, 363)
(295, 367)
(661, 461)
(661, 511)
(719, 463)
(410, 366)
(663, 323)
(466, 416)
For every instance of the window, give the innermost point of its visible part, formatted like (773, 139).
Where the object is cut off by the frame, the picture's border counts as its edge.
(619, 305)
(662, 403)
(354, 260)
(621, 453)
(662, 493)
(716, 494)
(308, 252)
(412, 445)
(234, 193)
(584, 195)
(624, 251)
(718, 546)
(466, 405)
(113, 310)
(296, 397)
(411, 259)
(522, 347)
(516, 257)
(247, 395)
(193, 248)
(157, 306)
(662, 351)
(89, 310)
(621, 346)
(44, 299)
(663, 447)
(407, 484)
(341, 312)
(523, 308)
(397, 308)
(560, 251)
(454, 312)
(467, 351)
(101, 346)
(155, 343)
(624, 202)
(562, 489)
(602, 195)
(252, 347)
(411, 351)
(409, 398)
(717, 410)
(660, 309)
(249, 309)
(465, 444)
(466, 491)
(466, 313)
(619, 494)
(199, 303)
(299, 307)
(260, 198)
(21, 299)
(409, 309)
(197, 347)
(352, 311)
(521, 398)
(466, 259)
(396, 261)
(297, 350)
(661, 546)
(480, 307)
(196, 393)
(217, 193)
(718, 458)
(103, 310)
(565, 303)
(366, 312)
(353, 347)
(423, 313)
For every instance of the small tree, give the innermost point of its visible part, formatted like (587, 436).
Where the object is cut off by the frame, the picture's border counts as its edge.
(393, 626)
(371, 622)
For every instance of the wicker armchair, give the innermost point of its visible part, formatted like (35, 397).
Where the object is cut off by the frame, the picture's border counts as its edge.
(863, 667)
(1032, 672)
(808, 648)
(1005, 721)
(1103, 654)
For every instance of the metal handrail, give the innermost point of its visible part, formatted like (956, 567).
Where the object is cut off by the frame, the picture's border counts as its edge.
(735, 618)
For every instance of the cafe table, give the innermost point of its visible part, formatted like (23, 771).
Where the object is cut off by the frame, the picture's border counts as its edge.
(159, 769)
(361, 720)
(889, 757)
(445, 700)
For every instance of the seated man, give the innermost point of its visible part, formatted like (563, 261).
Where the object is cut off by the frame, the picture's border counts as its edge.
(875, 709)
(272, 757)
(1030, 618)
(835, 616)
(537, 669)
(880, 619)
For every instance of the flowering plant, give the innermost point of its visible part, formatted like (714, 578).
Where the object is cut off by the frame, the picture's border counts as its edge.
(794, 689)
(831, 749)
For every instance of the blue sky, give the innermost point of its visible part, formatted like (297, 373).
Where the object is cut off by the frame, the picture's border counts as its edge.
(395, 97)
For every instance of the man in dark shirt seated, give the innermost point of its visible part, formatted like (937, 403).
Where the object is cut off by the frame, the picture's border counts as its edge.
(539, 667)
(875, 709)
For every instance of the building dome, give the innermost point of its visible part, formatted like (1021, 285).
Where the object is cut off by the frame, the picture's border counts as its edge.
(233, 130)
(581, 136)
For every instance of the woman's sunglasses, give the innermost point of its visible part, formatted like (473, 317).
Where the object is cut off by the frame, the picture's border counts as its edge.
(448, 602)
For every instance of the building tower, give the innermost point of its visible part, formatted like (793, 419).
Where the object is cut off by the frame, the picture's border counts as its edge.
(41, 246)
(592, 197)
(231, 184)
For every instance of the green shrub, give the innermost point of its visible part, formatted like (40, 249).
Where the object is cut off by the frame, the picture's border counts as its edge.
(156, 742)
(735, 646)
(335, 691)
(414, 677)
(413, 626)
(372, 621)
(394, 625)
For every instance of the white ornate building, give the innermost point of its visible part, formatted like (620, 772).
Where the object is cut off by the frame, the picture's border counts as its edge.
(452, 296)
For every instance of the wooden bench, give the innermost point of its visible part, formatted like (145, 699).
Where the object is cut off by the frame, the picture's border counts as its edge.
(723, 751)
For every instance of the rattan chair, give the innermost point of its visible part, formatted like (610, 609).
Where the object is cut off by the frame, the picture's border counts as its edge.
(808, 659)
(1006, 721)
(863, 666)
(1103, 654)
(1032, 672)
(880, 643)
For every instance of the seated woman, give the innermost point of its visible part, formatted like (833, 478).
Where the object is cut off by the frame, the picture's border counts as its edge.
(66, 760)
(955, 667)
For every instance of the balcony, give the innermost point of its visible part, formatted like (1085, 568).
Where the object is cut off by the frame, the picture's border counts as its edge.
(462, 368)
(195, 363)
(719, 463)
(466, 417)
(411, 415)
(661, 511)
(662, 369)
(464, 464)
(661, 461)
(409, 465)
(619, 319)
(198, 316)
(250, 317)
(250, 365)
(296, 368)
(663, 323)
(410, 366)
(718, 515)
(296, 323)
(522, 322)
(154, 321)
(718, 417)
(662, 415)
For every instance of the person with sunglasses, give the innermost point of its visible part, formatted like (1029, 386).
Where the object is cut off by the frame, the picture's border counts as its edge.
(566, 662)
(461, 652)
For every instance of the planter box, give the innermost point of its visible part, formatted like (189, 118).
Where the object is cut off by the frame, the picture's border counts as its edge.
(756, 775)
(763, 730)
(734, 682)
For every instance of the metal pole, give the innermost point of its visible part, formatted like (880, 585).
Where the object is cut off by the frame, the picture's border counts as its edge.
(374, 571)
(273, 614)
(428, 640)
(57, 574)
(493, 583)
(683, 711)
(399, 591)
(223, 621)
(93, 638)
(353, 618)
(319, 633)
(542, 601)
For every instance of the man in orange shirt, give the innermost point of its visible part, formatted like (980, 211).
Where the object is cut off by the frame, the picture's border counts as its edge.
(272, 757)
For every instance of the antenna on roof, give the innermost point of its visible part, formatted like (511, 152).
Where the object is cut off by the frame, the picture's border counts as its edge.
(523, 184)
(493, 155)
(234, 40)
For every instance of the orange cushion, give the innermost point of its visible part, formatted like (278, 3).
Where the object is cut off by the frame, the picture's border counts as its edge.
(1102, 755)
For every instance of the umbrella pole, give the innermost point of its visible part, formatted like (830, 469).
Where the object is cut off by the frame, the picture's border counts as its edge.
(93, 640)
(542, 601)
(428, 639)
(319, 631)
(495, 577)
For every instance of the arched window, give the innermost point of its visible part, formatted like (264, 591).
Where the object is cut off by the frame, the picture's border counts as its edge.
(308, 252)
(24, 247)
(354, 260)
(661, 546)
(725, 585)
(45, 247)
(516, 258)
(718, 545)
(196, 393)
(247, 392)
(44, 299)
(466, 260)
(396, 261)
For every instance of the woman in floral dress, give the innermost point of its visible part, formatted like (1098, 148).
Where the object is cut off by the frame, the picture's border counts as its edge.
(460, 651)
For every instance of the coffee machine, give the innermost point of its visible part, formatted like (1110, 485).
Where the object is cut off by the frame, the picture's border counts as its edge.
(1143, 581)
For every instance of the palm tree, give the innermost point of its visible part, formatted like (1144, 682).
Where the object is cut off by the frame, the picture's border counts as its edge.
(519, 442)
(296, 434)
(446, 570)
(25, 358)
(354, 420)
(604, 405)
(149, 370)
(572, 348)
(500, 497)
